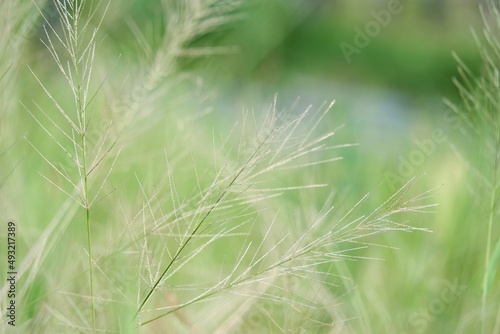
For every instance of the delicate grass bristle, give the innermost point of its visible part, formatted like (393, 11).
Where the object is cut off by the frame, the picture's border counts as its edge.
(152, 217)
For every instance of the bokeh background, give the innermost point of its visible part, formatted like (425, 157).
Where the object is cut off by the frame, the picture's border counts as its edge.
(389, 100)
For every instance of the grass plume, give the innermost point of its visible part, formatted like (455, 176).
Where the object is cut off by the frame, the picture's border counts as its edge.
(177, 220)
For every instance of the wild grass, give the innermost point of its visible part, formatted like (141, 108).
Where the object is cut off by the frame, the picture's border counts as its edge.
(159, 225)
(226, 206)
(479, 149)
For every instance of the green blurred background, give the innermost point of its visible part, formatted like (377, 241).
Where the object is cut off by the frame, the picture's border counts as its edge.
(389, 96)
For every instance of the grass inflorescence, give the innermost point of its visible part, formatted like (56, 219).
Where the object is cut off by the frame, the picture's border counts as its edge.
(151, 221)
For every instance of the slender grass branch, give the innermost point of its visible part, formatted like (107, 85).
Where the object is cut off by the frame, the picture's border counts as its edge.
(89, 236)
(492, 212)
(479, 114)
(198, 226)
